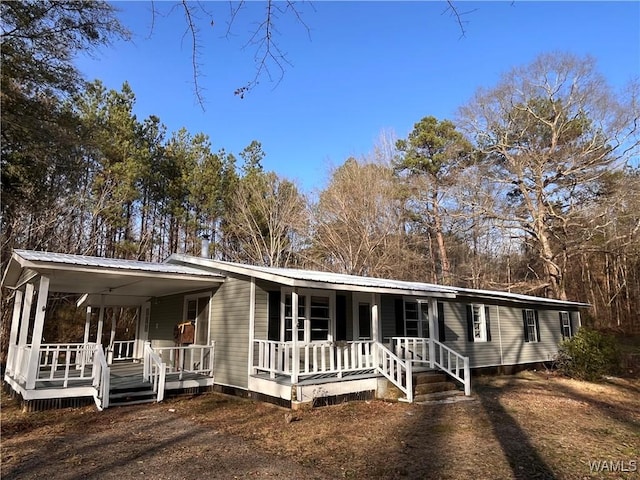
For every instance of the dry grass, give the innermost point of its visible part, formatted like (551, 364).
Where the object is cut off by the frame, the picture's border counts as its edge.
(527, 426)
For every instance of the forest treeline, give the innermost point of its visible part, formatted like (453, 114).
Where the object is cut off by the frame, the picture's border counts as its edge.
(534, 187)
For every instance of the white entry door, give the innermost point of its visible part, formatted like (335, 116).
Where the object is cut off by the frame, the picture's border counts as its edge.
(142, 332)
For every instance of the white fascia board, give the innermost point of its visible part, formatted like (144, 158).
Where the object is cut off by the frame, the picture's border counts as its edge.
(45, 268)
(520, 299)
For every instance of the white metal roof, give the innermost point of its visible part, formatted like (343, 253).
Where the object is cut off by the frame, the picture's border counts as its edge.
(110, 281)
(302, 278)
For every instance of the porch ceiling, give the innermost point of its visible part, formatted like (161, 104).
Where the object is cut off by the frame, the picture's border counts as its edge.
(112, 282)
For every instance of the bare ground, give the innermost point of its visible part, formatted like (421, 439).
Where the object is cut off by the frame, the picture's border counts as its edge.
(528, 426)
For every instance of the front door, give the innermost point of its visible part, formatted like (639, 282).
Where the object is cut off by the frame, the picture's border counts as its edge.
(197, 312)
(362, 317)
(142, 333)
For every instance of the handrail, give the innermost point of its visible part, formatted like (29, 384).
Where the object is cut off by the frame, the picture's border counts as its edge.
(154, 371)
(101, 378)
(436, 354)
(188, 359)
(442, 359)
(398, 371)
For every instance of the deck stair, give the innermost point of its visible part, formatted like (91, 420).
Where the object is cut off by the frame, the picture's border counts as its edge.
(128, 386)
(433, 385)
(132, 394)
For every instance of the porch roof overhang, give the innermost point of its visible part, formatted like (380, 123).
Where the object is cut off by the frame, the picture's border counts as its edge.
(299, 278)
(105, 281)
(292, 277)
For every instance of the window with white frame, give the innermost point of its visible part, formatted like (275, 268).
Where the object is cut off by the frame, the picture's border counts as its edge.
(416, 319)
(565, 321)
(531, 327)
(479, 323)
(314, 316)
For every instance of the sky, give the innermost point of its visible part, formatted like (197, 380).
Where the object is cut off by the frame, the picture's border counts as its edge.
(356, 69)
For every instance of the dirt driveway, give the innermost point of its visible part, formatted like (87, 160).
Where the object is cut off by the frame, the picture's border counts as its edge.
(524, 427)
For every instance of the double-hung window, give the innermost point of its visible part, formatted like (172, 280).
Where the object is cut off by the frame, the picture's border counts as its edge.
(565, 325)
(314, 316)
(478, 329)
(531, 325)
(416, 319)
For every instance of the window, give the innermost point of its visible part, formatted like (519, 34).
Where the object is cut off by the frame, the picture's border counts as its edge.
(314, 317)
(319, 318)
(565, 325)
(288, 317)
(478, 326)
(531, 325)
(416, 319)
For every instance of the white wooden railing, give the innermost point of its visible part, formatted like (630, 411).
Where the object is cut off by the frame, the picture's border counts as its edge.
(122, 350)
(188, 359)
(436, 355)
(101, 378)
(65, 361)
(397, 370)
(282, 358)
(154, 371)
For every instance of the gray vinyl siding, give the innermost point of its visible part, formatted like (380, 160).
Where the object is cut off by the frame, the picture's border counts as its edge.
(230, 331)
(262, 309)
(507, 345)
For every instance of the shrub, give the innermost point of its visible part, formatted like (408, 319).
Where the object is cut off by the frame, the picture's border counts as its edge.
(588, 355)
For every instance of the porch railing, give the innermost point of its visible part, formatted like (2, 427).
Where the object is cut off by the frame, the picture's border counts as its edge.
(197, 359)
(101, 378)
(122, 350)
(154, 371)
(397, 370)
(282, 358)
(66, 362)
(434, 353)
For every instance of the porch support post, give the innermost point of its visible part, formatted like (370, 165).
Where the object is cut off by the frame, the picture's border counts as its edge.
(252, 324)
(433, 324)
(87, 325)
(100, 323)
(26, 314)
(15, 324)
(295, 368)
(375, 335)
(112, 337)
(41, 307)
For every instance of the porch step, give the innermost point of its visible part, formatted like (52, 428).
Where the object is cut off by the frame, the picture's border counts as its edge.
(438, 397)
(433, 387)
(141, 393)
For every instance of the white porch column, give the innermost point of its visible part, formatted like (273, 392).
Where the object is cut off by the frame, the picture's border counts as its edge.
(112, 337)
(26, 314)
(15, 324)
(295, 368)
(375, 327)
(41, 307)
(252, 324)
(87, 325)
(100, 324)
(433, 325)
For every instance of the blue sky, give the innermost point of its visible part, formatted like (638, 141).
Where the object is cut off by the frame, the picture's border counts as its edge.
(364, 67)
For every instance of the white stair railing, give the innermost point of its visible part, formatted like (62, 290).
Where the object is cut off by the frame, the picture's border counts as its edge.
(436, 355)
(154, 371)
(397, 370)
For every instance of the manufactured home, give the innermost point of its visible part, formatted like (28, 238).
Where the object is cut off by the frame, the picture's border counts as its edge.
(287, 335)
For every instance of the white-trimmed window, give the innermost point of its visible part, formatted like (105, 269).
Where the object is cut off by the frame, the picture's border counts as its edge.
(416, 318)
(478, 327)
(479, 323)
(315, 311)
(565, 324)
(531, 325)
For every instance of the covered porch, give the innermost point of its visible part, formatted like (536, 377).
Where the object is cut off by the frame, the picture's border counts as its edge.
(38, 370)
